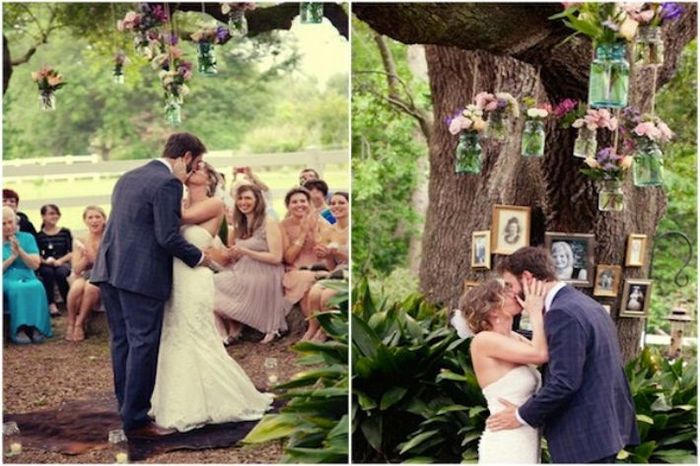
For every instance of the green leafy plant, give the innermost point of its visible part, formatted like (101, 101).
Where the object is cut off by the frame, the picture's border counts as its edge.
(315, 420)
(415, 396)
(665, 399)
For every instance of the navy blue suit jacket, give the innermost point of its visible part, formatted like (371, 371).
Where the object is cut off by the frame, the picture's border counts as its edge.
(585, 403)
(143, 233)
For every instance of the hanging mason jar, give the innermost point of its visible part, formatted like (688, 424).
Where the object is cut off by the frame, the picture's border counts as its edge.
(206, 58)
(648, 47)
(311, 12)
(118, 75)
(648, 167)
(497, 126)
(608, 84)
(532, 143)
(141, 43)
(173, 104)
(237, 23)
(468, 154)
(586, 143)
(610, 196)
(47, 99)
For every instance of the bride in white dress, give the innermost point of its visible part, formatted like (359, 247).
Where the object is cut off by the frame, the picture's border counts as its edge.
(504, 362)
(197, 382)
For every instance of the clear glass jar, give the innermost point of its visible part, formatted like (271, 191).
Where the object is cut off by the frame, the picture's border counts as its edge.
(118, 75)
(468, 156)
(608, 83)
(11, 439)
(648, 47)
(532, 142)
(173, 105)
(610, 196)
(497, 126)
(237, 23)
(311, 12)
(648, 167)
(47, 99)
(206, 58)
(586, 143)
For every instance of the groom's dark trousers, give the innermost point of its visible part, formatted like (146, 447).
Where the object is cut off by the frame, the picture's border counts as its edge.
(134, 271)
(585, 403)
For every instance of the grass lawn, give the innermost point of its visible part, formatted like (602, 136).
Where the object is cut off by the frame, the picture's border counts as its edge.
(337, 177)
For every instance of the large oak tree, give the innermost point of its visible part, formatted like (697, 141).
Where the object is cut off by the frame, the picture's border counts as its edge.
(515, 48)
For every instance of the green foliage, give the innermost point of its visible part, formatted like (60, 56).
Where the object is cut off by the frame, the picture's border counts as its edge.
(665, 398)
(415, 397)
(385, 148)
(681, 187)
(315, 420)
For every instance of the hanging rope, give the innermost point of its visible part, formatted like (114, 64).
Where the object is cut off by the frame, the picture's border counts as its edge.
(475, 72)
(653, 90)
(114, 34)
(171, 59)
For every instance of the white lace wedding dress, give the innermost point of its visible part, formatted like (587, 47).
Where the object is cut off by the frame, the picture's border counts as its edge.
(197, 382)
(521, 445)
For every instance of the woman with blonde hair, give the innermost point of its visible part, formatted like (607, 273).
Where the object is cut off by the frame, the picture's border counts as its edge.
(83, 296)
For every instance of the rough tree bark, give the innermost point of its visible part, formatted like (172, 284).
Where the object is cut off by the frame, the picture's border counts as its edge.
(501, 47)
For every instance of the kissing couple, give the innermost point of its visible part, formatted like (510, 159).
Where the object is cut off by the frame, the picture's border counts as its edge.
(584, 404)
(171, 372)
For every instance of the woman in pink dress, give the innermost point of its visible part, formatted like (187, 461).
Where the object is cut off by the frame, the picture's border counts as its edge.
(249, 291)
(301, 231)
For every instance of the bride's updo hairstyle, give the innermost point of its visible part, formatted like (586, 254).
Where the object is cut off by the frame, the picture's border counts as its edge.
(214, 179)
(478, 303)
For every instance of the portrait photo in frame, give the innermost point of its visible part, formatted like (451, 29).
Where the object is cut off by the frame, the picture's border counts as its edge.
(636, 298)
(636, 250)
(573, 256)
(481, 249)
(607, 280)
(510, 229)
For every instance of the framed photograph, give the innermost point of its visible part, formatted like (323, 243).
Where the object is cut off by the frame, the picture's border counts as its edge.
(469, 284)
(636, 250)
(607, 280)
(636, 297)
(510, 228)
(573, 256)
(481, 249)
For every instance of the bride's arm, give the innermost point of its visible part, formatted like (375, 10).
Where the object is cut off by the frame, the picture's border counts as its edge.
(274, 244)
(202, 211)
(501, 347)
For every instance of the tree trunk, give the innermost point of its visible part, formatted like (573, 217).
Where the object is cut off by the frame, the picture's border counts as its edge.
(511, 45)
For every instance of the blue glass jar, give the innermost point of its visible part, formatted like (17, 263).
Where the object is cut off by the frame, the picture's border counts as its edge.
(608, 84)
(648, 168)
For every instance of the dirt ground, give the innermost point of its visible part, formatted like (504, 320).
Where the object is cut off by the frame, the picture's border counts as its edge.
(40, 377)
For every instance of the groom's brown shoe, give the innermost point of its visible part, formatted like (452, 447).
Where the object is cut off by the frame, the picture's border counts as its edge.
(150, 430)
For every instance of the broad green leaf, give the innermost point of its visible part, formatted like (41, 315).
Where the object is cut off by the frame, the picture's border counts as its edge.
(391, 397)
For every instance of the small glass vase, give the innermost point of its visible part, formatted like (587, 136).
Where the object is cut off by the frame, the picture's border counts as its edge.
(237, 23)
(206, 58)
(142, 45)
(497, 127)
(608, 84)
(610, 196)
(311, 12)
(271, 371)
(118, 75)
(648, 168)
(648, 47)
(586, 143)
(468, 156)
(532, 143)
(47, 99)
(173, 106)
(119, 446)
(11, 439)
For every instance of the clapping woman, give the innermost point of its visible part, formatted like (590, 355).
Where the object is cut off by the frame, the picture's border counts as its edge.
(23, 293)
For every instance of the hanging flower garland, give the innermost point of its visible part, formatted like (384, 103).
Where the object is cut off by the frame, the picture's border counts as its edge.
(144, 23)
(533, 138)
(206, 38)
(237, 22)
(48, 81)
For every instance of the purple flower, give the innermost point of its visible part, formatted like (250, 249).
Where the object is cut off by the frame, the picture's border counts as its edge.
(159, 13)
(173, 39)
(222, 34)
(671, 11)
(564, 107)
(448, 119)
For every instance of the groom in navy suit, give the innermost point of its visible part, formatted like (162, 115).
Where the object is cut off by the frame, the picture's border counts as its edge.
(134, 270)
(585, 404)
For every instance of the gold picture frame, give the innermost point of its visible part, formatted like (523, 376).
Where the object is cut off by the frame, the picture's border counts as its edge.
(575, 251)
(510, 228)
(636, 250)
(636, 298)
(481, 249)
(607, 280)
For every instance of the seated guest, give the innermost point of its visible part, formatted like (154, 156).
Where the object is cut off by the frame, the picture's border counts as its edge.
(333, 246)
(55, 246)
(11, 198)
(318, 189)
(83, 296)
(249, 291)
(23, 293)
(301, 230)
(248, 177)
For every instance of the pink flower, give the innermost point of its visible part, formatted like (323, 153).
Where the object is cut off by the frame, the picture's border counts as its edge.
(570, 4)
(647, 130)
(458, 124)
(486, 101)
